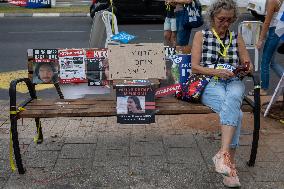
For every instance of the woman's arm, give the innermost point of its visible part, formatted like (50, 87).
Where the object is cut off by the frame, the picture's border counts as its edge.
(196, 57)
(271, 8)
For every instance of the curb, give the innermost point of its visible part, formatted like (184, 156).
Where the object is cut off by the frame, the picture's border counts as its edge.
(44, 15)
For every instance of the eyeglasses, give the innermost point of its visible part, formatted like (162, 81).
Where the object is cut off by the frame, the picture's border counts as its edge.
(222, 20)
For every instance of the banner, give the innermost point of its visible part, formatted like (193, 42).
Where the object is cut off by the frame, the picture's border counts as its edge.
(38, 4)
(21, 3)
(31, 3)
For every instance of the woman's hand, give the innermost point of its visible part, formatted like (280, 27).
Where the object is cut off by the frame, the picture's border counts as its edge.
(224, 73)
(259, 44)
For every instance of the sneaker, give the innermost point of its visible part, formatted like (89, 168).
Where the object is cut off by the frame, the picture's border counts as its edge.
(222, 163)
(232, 181)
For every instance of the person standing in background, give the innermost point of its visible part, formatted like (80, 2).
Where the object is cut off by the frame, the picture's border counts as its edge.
(170, 25)
(183, 34)
(270, 44)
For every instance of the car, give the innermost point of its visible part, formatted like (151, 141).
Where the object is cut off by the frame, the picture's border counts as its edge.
(257, 8)
(131, 9)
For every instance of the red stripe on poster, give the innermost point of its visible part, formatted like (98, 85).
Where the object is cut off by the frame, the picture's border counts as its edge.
(149, 103)
(150, 107)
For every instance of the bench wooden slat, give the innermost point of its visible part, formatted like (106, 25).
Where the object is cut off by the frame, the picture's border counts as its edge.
(105, 106)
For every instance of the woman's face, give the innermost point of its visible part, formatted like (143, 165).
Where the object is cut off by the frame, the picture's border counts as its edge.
(131, 106)
(45, 73)
(223, 20)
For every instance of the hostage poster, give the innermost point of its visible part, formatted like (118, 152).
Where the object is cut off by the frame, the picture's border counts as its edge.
(44, 65)
(72, 66)
(97, 67)
(135, 104)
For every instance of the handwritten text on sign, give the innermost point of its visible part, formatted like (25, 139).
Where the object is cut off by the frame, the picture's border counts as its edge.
(134, 61)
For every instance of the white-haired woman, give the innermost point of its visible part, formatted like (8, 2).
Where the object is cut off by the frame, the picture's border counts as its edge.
(217, 52)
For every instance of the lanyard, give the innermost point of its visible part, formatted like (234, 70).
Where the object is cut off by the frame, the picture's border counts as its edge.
(168, 7)
(225, 51)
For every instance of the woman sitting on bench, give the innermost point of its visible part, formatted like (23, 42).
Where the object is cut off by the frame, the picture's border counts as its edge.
(217, 52)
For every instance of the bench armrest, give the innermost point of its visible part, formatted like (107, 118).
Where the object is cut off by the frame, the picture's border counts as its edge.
(256, 86)
(13, 93)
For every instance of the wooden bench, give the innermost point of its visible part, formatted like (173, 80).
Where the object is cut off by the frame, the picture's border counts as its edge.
(105, 106)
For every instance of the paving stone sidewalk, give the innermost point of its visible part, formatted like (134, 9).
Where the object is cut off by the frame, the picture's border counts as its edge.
(174, 152)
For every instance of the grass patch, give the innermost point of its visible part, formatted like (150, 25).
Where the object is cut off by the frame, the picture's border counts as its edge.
(71, 9)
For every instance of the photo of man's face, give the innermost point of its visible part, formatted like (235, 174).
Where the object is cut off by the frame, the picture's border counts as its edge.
(46, 73)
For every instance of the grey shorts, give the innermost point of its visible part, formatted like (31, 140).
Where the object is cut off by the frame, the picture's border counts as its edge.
(170, 24)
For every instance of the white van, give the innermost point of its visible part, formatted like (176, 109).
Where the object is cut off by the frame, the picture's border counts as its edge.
(257, 8)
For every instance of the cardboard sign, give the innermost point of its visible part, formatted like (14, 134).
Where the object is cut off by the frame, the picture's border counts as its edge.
(137, 61)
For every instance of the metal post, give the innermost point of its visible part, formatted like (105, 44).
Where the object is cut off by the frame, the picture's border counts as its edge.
(254, 147)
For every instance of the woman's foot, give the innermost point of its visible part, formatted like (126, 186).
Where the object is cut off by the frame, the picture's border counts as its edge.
(222, 163)
(232, 181)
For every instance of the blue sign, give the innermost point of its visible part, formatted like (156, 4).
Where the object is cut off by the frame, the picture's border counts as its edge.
(123, 37)
(184, 67)
(38, 4)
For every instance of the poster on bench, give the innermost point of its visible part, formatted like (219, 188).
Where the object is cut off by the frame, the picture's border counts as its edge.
(135, 103)
(72, 66)
(44, 63)
(137, 61)
(178, 66)
(97, 67)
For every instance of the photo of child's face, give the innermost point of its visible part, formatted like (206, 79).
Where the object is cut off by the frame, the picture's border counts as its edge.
(46, 73)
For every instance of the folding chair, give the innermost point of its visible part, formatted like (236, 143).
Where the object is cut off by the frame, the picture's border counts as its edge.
(250, 31)
(103, 28)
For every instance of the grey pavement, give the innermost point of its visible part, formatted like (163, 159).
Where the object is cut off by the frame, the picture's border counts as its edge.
(174, 152)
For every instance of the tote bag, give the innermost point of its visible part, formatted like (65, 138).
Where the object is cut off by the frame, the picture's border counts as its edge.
(193, 89)
(193, 15)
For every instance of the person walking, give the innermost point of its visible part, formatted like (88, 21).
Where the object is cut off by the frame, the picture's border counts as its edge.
(271, 39)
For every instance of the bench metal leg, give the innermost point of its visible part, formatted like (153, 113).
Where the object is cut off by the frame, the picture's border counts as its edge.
(16, 146)
(254, 147)
(39, 138)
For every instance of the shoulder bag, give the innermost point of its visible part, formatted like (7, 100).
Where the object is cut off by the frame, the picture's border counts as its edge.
(193, 89)
(193, 15)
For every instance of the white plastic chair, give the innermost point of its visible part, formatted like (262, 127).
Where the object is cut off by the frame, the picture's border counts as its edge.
(108, 18)
(101, 31)
(250, 31)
